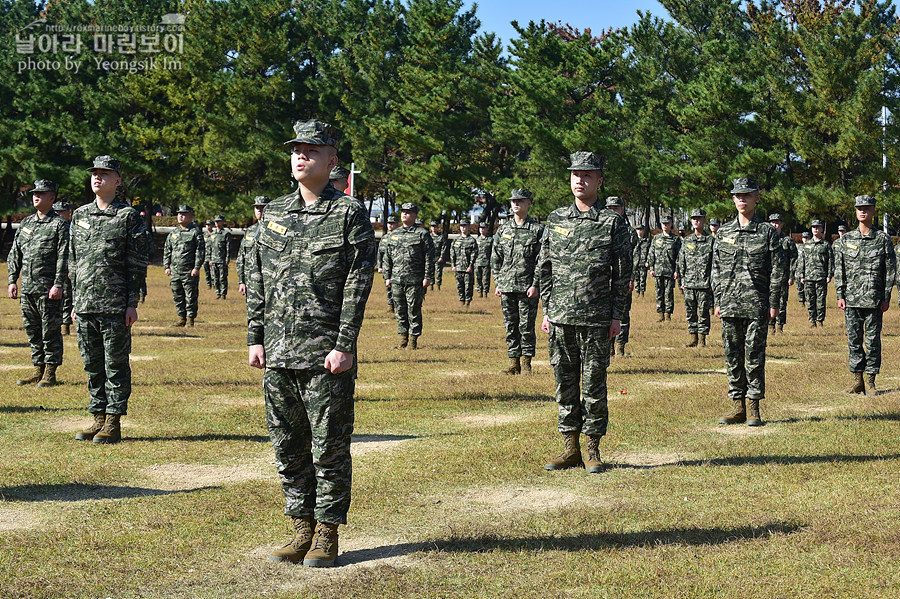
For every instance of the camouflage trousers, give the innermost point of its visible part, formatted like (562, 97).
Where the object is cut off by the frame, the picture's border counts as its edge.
(67, 302)
(208, 272)
(625, 333)
(105, 343)
(42, 318)
(580, 357)
(309, 414)
(464, 281)
(185, 293)
(697, 305)
(640, 282)
(438, 273)
(390, 298)
(220, 277)
(782, 307)
(816, 292)
(519, 314)
(408, 303)
(801, 293)
(483, 278)
(665, 294)
(744, 340)
(864, 324)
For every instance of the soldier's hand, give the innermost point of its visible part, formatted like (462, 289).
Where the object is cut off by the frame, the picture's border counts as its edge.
(675, 276)
(73, 315)
(453, 268)
(630, 287)
(426, 282)
(13, 291)
(790, 282)
(195, 272)
(716, 312)
(337, 362)
(545, 325)
(498, 294)
(55, 292)
(130, 316)
(469, 269)
(168, 272)
(242, 289)
(653, 274)
(387, 282)
(773, 313)
(532, 292)
(379, 269)
(615, 327)
(257, 357)
(842, 304)
(885, 306)
(829, 280)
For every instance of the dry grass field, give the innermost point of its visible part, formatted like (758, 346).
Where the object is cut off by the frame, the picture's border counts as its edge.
(450, 495)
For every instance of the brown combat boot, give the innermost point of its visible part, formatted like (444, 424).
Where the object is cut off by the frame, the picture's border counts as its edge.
(694, 341)
(702, 340)
(858, 385)
(88, 433)
(182, 320)
(324, 546)
(190, 321)
(812, 324)
(49, 378)
(297, 547)
(662, 317)
(414, 342)
(111, 431)
(526, 365)
(772, 328)
(668, 316)
(870, 380)
(570, 457)
(620, 349)
(67, 329)
(404, 341)
(390, 308)
(515, 366)
(753, 418)
(593, 463)
(738, 415)
(780, 328)
(36, 375)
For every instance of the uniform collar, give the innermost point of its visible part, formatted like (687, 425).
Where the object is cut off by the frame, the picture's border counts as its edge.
(47, 217)
(111, 210)
(320, 206)
(593, 213)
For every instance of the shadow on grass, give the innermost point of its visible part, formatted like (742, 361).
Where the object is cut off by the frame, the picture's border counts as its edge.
(30, 409)
(379, 438)
(764, 460)
(645, 539)
(402, 356)
(207, 437)
(80, 492)
(172, 333)
(651, 370)
(888, 417)
(5, 344)
(361, 556)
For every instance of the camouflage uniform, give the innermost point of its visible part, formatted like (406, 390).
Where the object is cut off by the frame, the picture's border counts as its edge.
(40, 254)
(463, 255)
(207, 270)
(515, 253)
(639, 259)
(382, 249)
(408, 261)
(219, 250)
(694, 271)
(483, 264)
(108, 259)
(246, 247)
(437, 239)
(795, 273)
(67, 304)
(184, 252)
(662, 259)
(308, 277)
(789, 260)
(815, 268)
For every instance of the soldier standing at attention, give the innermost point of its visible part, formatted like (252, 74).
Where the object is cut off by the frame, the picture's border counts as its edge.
(617, 205)
(661, 262)
(64, 210)
(182, 258)
(463, 255)
(438, 240)
(639, 259)
(484, 241)
(206, 240)
(789, 259)
(865, 270)
(747, 275)
(219, 256)
(694, 272)
(514, 258)
(584, 273)
(816, 268)
(108, 259)
(308, 277)
(246, 247)
(408, 266)
(40, 254)
(801, 291)
(339, 177)
(714, 225)
(391, 224)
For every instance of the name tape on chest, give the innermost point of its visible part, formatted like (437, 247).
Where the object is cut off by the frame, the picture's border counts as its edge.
(26, 230)
(851, 246)
(508, 236)
(280, 229)
(562, 231)
(729, 240)
(84, 224)
(690, 247)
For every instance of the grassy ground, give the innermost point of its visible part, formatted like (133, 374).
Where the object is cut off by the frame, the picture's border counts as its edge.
(450, 494)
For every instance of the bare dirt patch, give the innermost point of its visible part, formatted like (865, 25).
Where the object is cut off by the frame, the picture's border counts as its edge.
(457, 373)
(220, 350)
(180, 477)
(742, 430)
(371, 386)
(230, 400)
(362, 447)
(452, 331)
(668, 384)
(640, 459)
(520, 498)
(487, 420)
(142, 358)
(663, 348)
(73, 424)
(14, 518)
(16, 367)
(811, 409)
(782, 361)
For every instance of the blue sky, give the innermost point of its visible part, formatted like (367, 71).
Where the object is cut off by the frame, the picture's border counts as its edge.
(495, 15)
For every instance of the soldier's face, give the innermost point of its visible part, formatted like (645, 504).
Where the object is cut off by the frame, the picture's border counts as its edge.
(341, 184)
(311, 164)
(818, 231)
(104, 181)
(391, 226)
(697, 222)
(220, 224)
(258, 211)
(433, 230)
(667, 227)
(65, 214)
(714, 228)
(585, 184)
(745, 203)
(778, 225)
(865, 214)
(463, 229)
(520, 207)
(185, 219)
(483, 231)
(408, 218)
(43, 201)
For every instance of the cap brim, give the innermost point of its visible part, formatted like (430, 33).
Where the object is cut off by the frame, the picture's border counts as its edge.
(306, 140)
(742, 190)
(99, 168)
(585, 168)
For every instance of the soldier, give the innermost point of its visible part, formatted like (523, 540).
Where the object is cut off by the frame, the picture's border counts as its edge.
(639, 259)
(514, 257)
(815, 268)
(747, 274)
(308, 277)
(206, 241)
(661, 262)
(842, 230)
(246, 247)
(789, 260)
(484, 241)
(714, 225)
(64, 210)
(408, 266)
(438, 240)
(801, 291)
(182, 258)
(694, 272)
(584, 273)
(391, 224)
(108, 258)
(866, 268)
(339, 177)
(463, 255)
(220, 256)
(617, 205)
(40, 254)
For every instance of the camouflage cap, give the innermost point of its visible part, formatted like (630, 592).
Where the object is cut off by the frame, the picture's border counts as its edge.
(419, 221)
(666, 218)
(185, 208)
(842, 227)
(338, 172)
(218, 217)
(261, 201)
(586, 161)
(698, 213)
(640, 226)
(316, 133)
(107, 163)
(409, 206)
(806, 235)
(44, 185)
(774, 216)
(464, 223)
(434, 223)
(612, 201)
(484, 225)
(520, 193)
(393, 219)
(208, 222)
(744, 185)
(817, 223)
(715, 222)
(61, 205)
(865, 200)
